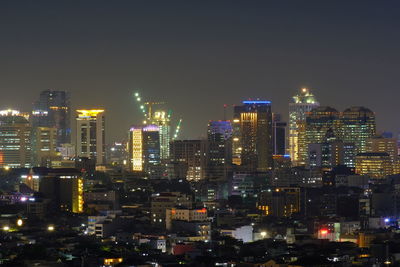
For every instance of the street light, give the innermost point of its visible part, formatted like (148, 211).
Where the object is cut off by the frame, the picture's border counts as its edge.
(50, 228)
(20, 222)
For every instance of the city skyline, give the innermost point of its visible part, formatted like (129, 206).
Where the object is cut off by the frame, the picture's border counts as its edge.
(226, 53)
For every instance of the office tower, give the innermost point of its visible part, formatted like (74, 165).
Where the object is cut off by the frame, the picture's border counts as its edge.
(188, 159)
(64, 187)
(374, 164)
(318, 122)
(357, 125)
(15, 140)
(278, 135)
(282, 172)
(219, 149)
(280, 201)
(44, 144)
(327, 154)
(382, 145)
(349, 155)
(302, 103)
(90, 134)
(118, 154)
(254, 135)
(144, 150)
(53, 110)
(162, 120)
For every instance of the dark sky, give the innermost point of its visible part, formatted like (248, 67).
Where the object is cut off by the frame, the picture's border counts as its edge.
(199, 55)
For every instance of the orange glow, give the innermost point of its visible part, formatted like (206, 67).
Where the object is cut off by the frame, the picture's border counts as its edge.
(173, 211)
(323, 231)
(203, 210)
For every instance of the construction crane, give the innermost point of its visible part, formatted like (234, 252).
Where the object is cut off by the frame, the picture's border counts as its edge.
(148, 112)
(177, 129)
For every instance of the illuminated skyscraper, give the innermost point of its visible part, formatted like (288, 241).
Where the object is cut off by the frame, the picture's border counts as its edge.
(15, 140)
(90, 134)
(162, 120)
(319, 122)
(252, 135)
(53, 110)
(302, 103)
(219, 149)
(144, 150)
(376, 165)
(357, 125)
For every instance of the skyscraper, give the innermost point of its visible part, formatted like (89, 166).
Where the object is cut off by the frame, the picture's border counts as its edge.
(162, 120)
(319, 122)
(302, 103)
(253, 137)
(53, 110)
(144, 150)
(15, 140)
(357, 125)
(90, 134)
(188, 158)
(44, 145)
(278, 135)
(219, 149)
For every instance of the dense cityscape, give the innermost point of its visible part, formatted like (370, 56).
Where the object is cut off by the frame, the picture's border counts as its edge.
(319, 190)
(230, 133)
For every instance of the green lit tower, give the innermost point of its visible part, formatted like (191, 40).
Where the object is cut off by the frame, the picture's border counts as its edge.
(318, 122)
(358, 125)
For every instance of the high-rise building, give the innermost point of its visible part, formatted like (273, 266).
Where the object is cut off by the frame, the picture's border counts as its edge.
(357, 125)
(278, 135)
(253, 136)
(302, 103)
(375, 165)
(144, 150)
(188, 158)
(383, 145)
(53, 110)
(90, 134)
(65, 189)
(162, 120)
(44, 146)
(327, 154)
(219, 149)
(15, 140)
(318, 122)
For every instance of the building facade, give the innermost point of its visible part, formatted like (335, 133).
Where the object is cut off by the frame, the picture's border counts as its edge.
(15, 140)
(253, 138)
(302, 103)
(52, 109)
(90, 134)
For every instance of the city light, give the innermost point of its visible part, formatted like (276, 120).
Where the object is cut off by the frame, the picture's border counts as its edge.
(19, 222)
(50, 228)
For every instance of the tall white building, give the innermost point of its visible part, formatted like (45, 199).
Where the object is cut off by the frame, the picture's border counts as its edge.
(90, 134)
(302, 103)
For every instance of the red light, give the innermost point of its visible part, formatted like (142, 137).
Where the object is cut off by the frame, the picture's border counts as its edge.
(323, 231)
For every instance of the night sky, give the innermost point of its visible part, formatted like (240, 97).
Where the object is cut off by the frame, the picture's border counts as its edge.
(199, 55)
